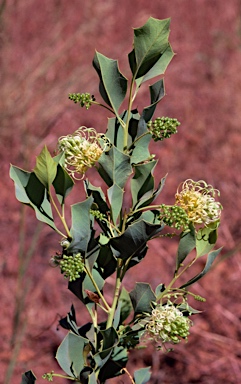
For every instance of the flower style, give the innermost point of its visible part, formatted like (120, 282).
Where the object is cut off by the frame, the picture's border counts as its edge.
(198, 201)
(81, 149)
(167, 324)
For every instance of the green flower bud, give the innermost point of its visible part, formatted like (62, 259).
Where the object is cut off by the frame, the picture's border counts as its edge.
(72, 266)
(162, 127)
(84, 99)
(174, 216)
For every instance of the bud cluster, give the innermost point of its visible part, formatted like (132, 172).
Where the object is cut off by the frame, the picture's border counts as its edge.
(84, 99)
(97, 214)
(174, 216)
(81, 149)
(198, 201)
(162, 127)
(167, 324)
(72, 266)
(48, 376)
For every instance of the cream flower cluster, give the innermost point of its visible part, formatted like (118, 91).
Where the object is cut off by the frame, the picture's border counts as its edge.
(198, 201)
(81, 149)
(167, 324)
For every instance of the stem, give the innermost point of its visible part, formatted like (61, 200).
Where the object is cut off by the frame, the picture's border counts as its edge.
(61, 217)
(116, 295)
(111, 110)
(128, 115)
(175, 278)
(157, 206)
(65, 377)
(138, 138)
(129, 375)
(97, 289)
(103, 105)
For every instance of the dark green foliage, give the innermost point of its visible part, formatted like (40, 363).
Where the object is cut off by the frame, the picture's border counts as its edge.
(107, 236)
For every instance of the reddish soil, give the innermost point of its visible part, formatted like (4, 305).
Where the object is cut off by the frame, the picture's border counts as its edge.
(46, 52)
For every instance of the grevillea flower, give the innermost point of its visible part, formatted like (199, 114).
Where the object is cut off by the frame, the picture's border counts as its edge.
(81, 149)
(166, 324)
(198, 201)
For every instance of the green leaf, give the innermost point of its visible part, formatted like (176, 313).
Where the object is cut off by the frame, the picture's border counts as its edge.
(150, 196)
(143, 180)
(205, 240)
(63, 184)
(110, 339)
(115, 132)
(140, 142)
(141, 297)
(35, 190)
(150, 43)
(187, 310)
(79, 286)
(210, 259)
(115, 196)
(20, 178)
(114, 365)
(98, 195)
(115, 167)
(186, 245)
(132, 243)
(142, 375)
(157, 92)
(46, 168)
(26, 191)
(92, 379)
(113, 85)
(81, 225)
(28, 378)
(125, 305)
(106, 261)
(88, 285)
(161, 65)
(70, 354)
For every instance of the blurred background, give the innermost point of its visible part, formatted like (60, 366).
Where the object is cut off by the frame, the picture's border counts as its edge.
(47, 49)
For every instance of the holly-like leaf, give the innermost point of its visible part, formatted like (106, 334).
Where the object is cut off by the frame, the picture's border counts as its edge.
(150, 43)
(150, 196)
(142, 375)
(98, 195)
(157, 92)
(69, 322)
(115, 364)
(46, 168)
(70, 354)
(160, 67)
(186, 245)
(113, 85)
(125, 305)
(115, 167)
(29, 190)
(143, 180)
(115, 196)
(81, 225)
(141, 297)
(132, 243)
(205, 240)
(28, 378)
(62, 183)
(210, 259)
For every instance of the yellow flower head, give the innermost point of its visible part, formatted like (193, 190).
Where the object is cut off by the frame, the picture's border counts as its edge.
(198, 201)
(81, 149)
